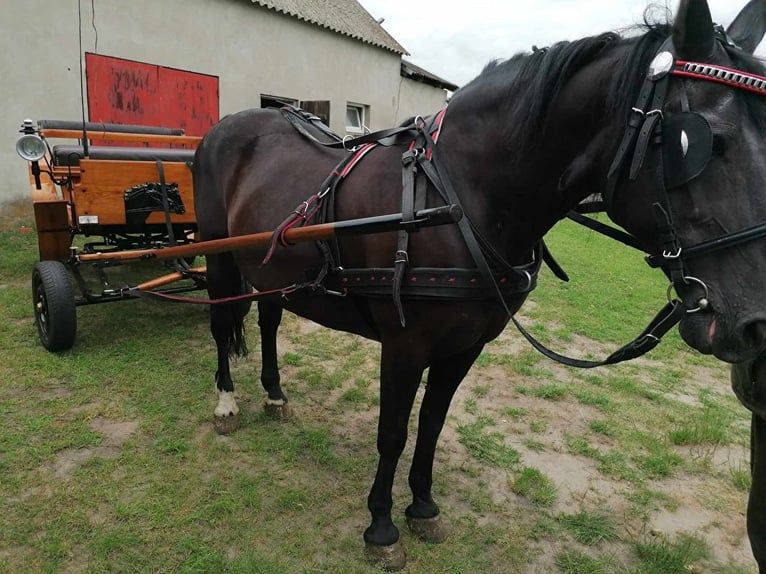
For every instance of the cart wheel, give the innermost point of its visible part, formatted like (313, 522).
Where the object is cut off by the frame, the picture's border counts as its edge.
(54, 305)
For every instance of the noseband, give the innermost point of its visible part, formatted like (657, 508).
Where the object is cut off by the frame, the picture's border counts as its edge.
(687, 143)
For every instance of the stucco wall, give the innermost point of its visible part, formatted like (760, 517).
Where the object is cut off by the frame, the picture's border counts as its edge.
(417, 98)
(254, 51)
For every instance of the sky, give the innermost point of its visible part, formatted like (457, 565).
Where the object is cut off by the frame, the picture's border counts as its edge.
(455, 39)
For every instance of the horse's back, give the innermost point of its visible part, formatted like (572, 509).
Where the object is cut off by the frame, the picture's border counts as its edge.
(246, 173)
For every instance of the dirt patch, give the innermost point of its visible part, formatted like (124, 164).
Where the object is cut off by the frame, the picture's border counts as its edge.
(115, 434)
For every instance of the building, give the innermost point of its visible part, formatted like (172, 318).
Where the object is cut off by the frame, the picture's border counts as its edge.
(186, 63)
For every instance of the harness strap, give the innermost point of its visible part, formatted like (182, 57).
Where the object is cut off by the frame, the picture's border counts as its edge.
(649, 338)
(298, 119)
(165, 202)
(434, 171)
(413, 199)
(603, 229)
(636, 121)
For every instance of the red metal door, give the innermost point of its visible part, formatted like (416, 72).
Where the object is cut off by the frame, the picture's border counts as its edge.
(127, 92)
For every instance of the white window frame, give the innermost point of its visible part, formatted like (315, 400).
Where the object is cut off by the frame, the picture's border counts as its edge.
(361, 112)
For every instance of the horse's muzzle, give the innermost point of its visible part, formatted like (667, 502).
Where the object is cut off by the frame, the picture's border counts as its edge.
(708, 333)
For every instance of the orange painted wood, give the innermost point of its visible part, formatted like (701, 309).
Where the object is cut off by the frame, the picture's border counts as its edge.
(166, 279)
(53, 229)
(295, 234)
(103, 183)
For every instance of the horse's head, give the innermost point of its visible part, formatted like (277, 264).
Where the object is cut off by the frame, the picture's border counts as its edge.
(689, 177)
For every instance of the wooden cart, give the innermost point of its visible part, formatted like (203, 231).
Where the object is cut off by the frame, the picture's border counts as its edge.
(131, 203)
(117, 187)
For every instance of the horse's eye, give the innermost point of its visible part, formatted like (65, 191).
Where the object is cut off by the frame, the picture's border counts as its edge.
(719, 144)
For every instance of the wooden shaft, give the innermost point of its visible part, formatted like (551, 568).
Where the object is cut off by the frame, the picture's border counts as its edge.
(362, 226)
(308, 233)
(167, 279)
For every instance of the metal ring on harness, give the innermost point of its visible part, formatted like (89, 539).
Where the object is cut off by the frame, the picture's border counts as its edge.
(345, 139)
(703, 302)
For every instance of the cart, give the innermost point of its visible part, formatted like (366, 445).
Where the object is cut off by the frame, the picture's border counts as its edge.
(99, 206)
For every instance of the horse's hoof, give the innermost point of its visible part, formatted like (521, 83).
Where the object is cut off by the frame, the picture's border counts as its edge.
(278, 411)
(428, 529)
(389, 558)
(227, 424)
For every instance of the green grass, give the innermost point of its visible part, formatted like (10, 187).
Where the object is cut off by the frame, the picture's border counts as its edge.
(663, 556)
(487, 447)
(170, 495)
(589, 528)
(535, 486)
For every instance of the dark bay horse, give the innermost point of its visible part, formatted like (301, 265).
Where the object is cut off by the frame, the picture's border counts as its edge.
(667, 125)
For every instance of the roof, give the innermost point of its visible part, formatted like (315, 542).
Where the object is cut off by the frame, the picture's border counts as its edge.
(346, 17)
(410, 70)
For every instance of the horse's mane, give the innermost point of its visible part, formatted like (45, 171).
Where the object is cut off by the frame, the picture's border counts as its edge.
(529, 82)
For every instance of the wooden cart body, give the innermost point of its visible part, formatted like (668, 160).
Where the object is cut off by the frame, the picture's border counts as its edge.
(84, 185)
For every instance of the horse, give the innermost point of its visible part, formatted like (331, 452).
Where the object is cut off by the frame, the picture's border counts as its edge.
(666, 125)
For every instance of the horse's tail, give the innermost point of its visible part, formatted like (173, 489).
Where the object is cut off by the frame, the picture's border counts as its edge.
(233, 314)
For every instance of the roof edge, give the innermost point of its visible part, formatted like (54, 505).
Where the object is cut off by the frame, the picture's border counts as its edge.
(413, 72)
(387, 42)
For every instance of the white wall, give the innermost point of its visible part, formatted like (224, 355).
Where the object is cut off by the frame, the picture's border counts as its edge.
(254, 51)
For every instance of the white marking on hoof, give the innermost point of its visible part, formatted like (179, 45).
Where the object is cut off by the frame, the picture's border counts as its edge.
(275, 402)
(227, 405)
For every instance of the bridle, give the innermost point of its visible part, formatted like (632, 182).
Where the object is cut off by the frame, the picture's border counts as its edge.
(686, 144)
(683, 145)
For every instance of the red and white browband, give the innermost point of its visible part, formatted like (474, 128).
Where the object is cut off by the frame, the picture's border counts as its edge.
(722, 75)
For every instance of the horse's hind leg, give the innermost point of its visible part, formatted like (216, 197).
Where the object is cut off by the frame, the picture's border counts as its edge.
(756, 506)
(227, 328)
(269, 318)
(443, 380)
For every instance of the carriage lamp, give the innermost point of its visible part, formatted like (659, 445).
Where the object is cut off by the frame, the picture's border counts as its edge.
(31, 147)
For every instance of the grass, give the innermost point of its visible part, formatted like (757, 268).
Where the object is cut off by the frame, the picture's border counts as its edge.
(535, 486)
(109, 462)
(589, 528)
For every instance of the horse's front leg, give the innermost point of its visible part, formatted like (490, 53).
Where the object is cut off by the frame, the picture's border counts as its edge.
(748, 381)
(269, 318)
(756, 506)
(227, 328)
(444, 378)
(399, 380)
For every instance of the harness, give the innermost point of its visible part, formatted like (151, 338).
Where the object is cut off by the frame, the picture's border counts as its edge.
(687, 143)
(493, 278)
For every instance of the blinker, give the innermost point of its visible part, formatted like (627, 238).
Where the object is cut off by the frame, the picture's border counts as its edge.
(687, 144)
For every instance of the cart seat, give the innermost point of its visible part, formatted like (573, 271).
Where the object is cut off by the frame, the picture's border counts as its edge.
(72, 154)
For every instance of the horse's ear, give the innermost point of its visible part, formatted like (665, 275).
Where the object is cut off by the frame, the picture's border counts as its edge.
(749, 26)
(693, 30)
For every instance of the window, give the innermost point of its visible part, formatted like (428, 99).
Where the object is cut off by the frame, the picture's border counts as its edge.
(276, 101)
(356, 118)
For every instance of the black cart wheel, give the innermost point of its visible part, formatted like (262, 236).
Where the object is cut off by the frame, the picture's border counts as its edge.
(54, 305)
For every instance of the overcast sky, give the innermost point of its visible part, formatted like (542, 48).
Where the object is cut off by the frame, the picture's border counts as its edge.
(454, 40)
